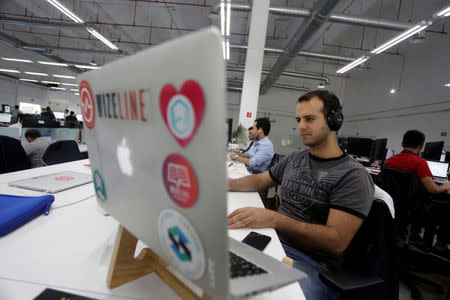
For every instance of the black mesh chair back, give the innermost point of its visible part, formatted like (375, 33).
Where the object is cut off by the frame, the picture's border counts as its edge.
(61, 152)
(12, 156)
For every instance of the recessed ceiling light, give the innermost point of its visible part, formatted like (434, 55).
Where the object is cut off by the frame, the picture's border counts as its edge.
(58, 88)
(53, 63)
(74, 90)
(36, 74)
(64, 76)
(392, 91)
(9, 70)
(87, 67)
(50, 82)
(69, 84)
(18, 59)
(26, 79)
(447, 85)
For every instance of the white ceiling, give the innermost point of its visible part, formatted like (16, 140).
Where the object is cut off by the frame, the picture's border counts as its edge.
(136, 25)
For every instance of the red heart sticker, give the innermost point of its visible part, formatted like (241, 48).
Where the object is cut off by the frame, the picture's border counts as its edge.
(182, 111)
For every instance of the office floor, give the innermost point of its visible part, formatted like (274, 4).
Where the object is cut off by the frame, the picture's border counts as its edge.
(427, 292)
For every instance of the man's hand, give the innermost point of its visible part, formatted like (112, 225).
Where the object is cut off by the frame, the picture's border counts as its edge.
(233, 155)
(251, 217)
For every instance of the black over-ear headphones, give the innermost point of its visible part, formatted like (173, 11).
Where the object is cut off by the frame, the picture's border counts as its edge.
(335, 118)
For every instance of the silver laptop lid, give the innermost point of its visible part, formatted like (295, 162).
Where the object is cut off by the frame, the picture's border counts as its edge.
(157, 155)
(438, 169)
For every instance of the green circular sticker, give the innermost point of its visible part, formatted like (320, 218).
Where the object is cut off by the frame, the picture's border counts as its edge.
(99, 185)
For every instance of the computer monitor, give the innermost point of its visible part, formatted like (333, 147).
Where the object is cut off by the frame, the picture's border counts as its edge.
(379, 150)
(343, 141)
(79, 117)
(6, 108)
(433, 150)
(58, 115)
(360, 147)
(5, 118)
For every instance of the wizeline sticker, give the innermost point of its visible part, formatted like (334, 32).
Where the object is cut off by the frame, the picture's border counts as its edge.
(182, 243)
(182, 110)
(87, 104)
(179, 180)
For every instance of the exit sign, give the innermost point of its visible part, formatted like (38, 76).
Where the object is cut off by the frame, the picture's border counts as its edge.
(443, 133)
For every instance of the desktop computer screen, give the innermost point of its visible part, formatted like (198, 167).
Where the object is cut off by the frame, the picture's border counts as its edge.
(433, 150)
(79, 117)
(360, 147)
(58, 115)
(5, 118)
(379, 150)
(6, 108)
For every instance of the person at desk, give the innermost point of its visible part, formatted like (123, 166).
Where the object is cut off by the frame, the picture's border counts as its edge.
(47, 113)
(15, 114)
(409, 160)
(71, 121)
(18, 125)
(66, 113)
(36, 147)
(325, 195)
(260, 154)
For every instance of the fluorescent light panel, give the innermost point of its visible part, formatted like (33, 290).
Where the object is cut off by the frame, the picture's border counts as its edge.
(77, 94)
(9, 71)
(74, 90)
(65, 11)
(222, 17)
(228, 17)
(447, 85)
(352, 64)
(102, 38)
(53, 63)
(87, 67)
(36, 74)
(18, 59)
(69, 84)
(26, 79)
(50, 82)
(444, 12)
(399, 38)
(228, 49)
(58, 88)
(64, 76)
(224, 48)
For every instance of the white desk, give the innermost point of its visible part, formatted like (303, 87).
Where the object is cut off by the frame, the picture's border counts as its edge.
(70, 249)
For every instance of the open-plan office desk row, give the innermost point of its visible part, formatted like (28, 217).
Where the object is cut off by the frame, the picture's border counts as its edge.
(70, 249)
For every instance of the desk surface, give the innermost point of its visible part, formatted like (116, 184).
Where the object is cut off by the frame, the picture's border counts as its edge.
(70, 249)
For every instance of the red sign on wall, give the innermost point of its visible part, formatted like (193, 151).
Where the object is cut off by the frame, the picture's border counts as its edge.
(249, 115)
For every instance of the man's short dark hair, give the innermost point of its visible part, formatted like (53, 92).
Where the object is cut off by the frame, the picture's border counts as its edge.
(66, 110)
(48, 108)
(16, 107)
(72, 113)
(263, 123)
(330, 100)
(32, 134)
(413, 139)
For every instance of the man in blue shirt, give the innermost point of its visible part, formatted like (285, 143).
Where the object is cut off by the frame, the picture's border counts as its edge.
(260, 154)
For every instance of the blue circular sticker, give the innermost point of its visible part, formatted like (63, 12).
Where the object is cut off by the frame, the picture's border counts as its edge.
(182, 243)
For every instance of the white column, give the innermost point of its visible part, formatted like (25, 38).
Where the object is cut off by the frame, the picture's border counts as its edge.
(253, 63)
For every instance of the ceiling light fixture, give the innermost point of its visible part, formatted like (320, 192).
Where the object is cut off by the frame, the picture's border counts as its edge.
(353, 64)
(444, 12)
(74, 90)
(102, 38)
(321, 85)
(58, 88)
(18, 59)
(228, 49)
(87, 67)
(222, 17)
(53, 63)
(401, 37)
(65, 11)
(64, 76)
(9, 71)
(36, 74)
(224, 48)
(26, 79)
(228, 17)
(50, 82)
(69, 84)
(392, 91)
(447, 85)
(77, 94)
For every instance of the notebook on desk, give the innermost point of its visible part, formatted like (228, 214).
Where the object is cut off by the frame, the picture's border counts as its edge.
(154, 124)
(439, 170)
(53, 183)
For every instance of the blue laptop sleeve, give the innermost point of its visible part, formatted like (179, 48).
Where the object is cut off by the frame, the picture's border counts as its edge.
(18, 210)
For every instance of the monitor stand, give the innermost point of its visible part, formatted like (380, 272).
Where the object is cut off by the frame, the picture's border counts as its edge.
(124, 267)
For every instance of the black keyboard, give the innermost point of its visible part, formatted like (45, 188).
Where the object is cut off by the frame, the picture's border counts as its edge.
(240, 267)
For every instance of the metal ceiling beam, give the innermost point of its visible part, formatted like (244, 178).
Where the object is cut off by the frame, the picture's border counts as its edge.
(42, 24)
(333, 17)
(321, 10)
(277, 85)
(73, 50)
(309, 54)
(290, 74)
(14, 42)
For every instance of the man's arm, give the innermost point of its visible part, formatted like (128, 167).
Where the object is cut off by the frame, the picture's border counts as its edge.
(333, 238)
(251, 183)
(432, 187)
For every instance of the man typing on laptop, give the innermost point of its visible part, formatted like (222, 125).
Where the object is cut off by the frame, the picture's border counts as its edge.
(325, 195)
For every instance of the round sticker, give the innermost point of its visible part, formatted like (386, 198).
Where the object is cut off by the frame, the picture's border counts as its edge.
(179, 180)
(99, 186)
(182, 243)
(64, 178)
(181, 116)
(87, 104)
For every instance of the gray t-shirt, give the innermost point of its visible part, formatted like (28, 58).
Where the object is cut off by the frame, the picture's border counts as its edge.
(310, 186)
(35, 150)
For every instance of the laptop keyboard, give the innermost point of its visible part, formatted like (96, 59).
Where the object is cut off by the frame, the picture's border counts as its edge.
(240, 267)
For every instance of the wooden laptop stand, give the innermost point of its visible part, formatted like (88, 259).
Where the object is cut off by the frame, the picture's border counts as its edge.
(125, 268)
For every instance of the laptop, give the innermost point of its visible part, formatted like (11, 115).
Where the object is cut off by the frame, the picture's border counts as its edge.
(53, 183)
(154, 124)
(439, 170)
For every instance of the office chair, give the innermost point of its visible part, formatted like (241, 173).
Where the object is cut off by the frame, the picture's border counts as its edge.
(410, 199)
(369, 269)
(274, 202)
(12, 156)
(61, 152)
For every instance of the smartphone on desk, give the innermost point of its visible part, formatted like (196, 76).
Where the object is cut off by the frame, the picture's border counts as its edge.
(257, 240)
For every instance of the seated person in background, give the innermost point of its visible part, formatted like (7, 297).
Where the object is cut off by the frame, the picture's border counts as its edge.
(47, 113)
(36, 147)
(409, 160)
(66, 113)
(18, 125)
(71, 121)
(325, 195)
(260, 154)
(15, 114)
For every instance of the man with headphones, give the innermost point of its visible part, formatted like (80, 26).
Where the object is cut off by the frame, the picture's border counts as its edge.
(325, 195)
